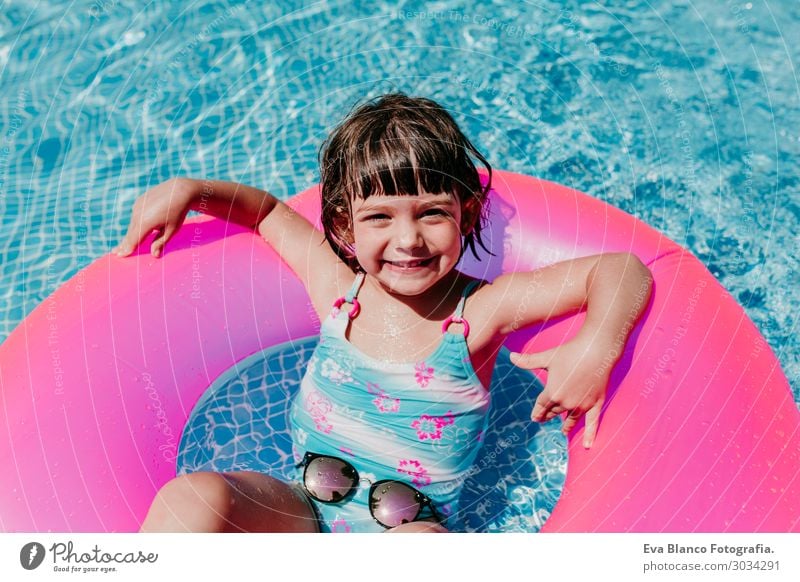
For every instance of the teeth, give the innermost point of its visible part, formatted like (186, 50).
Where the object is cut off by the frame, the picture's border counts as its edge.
(408, 264)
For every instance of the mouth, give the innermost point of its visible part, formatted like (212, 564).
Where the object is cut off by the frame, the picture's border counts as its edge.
(409, 265)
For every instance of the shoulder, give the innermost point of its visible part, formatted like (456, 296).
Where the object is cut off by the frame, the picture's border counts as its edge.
(513, 300)
(479, 302)
(484, 338)
(306, 251)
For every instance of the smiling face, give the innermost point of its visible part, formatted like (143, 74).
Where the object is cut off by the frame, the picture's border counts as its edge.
(396, 145)
(407, 243)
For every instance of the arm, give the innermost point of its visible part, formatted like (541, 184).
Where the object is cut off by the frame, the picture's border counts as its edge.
(164, 207)
(615, 289)
(237, 203)
(299, 244)
(618, 289)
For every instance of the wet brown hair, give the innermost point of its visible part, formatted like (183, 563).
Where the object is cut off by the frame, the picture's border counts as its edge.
(399, 145)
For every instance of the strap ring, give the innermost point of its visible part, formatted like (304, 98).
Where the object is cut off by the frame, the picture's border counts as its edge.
(354, 311)
(456, 319)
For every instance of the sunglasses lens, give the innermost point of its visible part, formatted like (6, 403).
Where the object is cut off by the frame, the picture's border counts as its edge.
(394, 504)
(329, 479)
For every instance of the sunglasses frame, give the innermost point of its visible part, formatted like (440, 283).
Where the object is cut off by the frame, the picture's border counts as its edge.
(422, 499)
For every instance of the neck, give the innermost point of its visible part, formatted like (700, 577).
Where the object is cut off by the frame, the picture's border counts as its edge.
(430, 304)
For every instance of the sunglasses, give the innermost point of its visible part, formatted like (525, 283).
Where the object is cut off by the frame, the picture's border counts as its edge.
(391, 503)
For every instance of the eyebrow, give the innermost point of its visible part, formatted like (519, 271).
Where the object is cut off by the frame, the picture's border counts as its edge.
(441, 200)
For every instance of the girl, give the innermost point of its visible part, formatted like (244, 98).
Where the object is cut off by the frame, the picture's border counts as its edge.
(389, 416)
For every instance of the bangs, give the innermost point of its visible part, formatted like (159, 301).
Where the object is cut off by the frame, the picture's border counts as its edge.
(392, 162)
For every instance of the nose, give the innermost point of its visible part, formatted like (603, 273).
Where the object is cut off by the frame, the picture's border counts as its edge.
(407, 235)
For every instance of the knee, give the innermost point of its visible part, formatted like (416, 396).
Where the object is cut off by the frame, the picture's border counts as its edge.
(197, 502)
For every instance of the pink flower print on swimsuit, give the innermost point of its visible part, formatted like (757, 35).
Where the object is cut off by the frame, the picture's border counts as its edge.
(430, 427)
(384, 403)
(336, 372)
(339, 525)
(318, 407)
(427, 428)
(419, 475)
(423, 374)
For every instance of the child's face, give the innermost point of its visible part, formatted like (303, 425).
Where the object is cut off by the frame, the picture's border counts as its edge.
(407, 243)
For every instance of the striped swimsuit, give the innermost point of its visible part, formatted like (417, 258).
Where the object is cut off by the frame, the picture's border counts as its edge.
(418, 422)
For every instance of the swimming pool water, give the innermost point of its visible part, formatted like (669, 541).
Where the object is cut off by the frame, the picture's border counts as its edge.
(684, 114)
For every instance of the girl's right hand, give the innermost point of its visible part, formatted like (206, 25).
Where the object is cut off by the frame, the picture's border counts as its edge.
(162, 209)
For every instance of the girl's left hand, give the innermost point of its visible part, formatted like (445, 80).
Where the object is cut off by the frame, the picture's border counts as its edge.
(576, 383)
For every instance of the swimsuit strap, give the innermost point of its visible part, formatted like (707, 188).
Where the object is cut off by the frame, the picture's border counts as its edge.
(462, 302)
(353, 293)
(351, 297)
(457, 316)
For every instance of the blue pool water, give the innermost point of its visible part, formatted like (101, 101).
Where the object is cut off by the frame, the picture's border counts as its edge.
(684, 114)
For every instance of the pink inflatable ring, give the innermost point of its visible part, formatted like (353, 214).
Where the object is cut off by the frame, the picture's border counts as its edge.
(699, 433)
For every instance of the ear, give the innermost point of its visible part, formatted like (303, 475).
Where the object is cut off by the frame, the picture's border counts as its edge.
(343, 224)
(341, 234)
(470, 214)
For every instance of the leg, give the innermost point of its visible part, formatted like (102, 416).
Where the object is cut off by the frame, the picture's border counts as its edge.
(230, 502)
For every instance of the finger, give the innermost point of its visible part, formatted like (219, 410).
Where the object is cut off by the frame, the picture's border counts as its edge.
(553, 412)
(572, 419)
(131, 239)
(161, 238)
(532, 361)
(592, 422)
(541, 407)
(137, 230)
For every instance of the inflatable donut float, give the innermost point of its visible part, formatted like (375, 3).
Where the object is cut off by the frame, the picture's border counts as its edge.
(699, 431)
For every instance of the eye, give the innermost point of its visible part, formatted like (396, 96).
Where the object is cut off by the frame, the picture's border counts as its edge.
(435, 212)
(377, 217)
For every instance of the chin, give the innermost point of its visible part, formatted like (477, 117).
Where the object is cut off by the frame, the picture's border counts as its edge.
(411, 284)
(401, 286)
